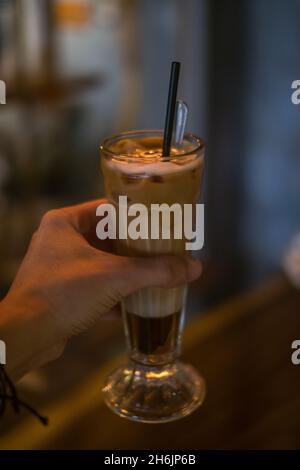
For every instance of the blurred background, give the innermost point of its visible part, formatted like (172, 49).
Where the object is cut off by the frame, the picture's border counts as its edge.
(79, 70)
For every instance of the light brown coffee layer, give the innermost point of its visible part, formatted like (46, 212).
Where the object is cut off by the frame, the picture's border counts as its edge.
(144, 177)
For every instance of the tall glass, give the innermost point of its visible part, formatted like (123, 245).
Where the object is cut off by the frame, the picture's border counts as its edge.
(154, 386)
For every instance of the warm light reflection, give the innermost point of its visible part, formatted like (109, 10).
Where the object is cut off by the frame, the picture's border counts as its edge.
(158, 375)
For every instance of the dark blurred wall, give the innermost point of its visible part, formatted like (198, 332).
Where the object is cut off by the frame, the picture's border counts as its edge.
(253, 197)
(272, 148)
(173, 30)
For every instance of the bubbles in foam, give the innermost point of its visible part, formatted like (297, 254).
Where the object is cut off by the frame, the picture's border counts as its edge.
(152, 163)
(154, 166)
(143, 157)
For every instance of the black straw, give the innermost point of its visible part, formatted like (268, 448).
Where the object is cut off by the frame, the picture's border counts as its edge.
(171, 108)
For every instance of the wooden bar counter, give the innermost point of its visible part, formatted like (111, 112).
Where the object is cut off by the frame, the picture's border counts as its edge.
(242, 348)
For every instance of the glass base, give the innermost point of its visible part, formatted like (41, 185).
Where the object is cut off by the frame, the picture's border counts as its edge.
(154, 394)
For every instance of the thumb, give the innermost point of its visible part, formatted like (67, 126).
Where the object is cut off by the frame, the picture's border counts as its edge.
(159, 271)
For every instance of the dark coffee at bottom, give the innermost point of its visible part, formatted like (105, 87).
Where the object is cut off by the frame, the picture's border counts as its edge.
(153, 335)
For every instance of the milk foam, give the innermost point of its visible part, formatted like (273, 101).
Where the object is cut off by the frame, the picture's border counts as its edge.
(157, 167)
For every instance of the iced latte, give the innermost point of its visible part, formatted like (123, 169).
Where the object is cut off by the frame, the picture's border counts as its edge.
(133, 166)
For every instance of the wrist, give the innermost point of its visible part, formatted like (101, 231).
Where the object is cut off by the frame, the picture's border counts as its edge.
(27, 330)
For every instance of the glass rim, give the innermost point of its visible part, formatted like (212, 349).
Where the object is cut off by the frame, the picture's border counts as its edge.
(104, 146)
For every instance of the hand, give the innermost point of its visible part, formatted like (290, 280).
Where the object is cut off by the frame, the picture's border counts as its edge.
(68, 280)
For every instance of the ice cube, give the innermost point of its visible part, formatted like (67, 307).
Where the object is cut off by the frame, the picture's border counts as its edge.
(131, 178)
(129, 147)
(157, 179)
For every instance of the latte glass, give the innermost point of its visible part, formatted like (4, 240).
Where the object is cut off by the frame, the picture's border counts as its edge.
(154, 386)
